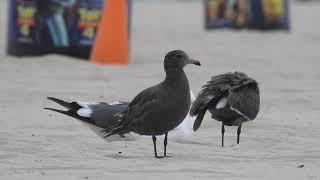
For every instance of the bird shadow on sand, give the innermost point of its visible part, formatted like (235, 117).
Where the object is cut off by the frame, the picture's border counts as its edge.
(192, 142)
(204, 144)
(124, 156)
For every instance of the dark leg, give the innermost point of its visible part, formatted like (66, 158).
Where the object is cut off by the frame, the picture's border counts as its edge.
(165, 144)
(222, 132)
(154, 139)
(238, 133)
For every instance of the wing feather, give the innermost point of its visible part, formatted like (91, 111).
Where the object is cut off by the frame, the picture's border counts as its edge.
(245, 100)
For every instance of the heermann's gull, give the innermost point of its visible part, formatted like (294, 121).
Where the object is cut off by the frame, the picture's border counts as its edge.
(160, 108)
(99, 116)
(232, 98)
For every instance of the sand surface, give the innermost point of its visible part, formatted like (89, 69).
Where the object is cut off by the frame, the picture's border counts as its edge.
(37, 144)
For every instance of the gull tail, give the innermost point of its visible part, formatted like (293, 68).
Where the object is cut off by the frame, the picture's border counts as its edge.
(198, 121)
(69, 106)
(72, 111)
(200, 107)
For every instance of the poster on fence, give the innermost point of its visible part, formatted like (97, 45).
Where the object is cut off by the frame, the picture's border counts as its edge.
(253, 14)
(67, 27)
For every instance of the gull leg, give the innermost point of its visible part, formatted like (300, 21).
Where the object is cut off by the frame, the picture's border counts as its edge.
(165, 144)
(238, 133)
(222, 132)
(154, 139)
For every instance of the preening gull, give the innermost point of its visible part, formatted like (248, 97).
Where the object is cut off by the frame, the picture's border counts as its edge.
(232, 98)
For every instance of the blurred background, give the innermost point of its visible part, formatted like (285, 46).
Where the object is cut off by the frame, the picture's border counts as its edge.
(40, 144)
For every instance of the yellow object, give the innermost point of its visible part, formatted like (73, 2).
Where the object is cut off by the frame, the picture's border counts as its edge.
(25, 30)
(273, 8)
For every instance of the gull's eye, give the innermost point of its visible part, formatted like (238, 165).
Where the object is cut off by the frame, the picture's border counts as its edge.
(177, 56)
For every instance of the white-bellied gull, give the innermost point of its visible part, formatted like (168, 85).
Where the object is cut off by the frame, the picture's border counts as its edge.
(232, 98)
(99, 116)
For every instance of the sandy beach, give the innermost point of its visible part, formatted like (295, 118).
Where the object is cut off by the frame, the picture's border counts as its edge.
(38, 144)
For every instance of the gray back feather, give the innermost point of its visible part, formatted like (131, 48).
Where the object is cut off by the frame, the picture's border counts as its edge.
(107, 116)
(246, 100)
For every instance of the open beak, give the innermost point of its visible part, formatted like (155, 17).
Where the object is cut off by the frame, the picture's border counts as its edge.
(195, 62)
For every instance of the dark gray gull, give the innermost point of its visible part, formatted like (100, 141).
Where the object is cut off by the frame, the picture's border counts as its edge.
(99, 116)
(232, 98)
(162, 107)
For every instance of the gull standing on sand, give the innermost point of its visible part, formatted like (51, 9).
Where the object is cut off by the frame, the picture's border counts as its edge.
(159, 109)
(232, 98)
(99, 116)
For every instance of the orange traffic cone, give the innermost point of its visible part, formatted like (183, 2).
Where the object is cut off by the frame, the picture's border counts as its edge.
(111, 43)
